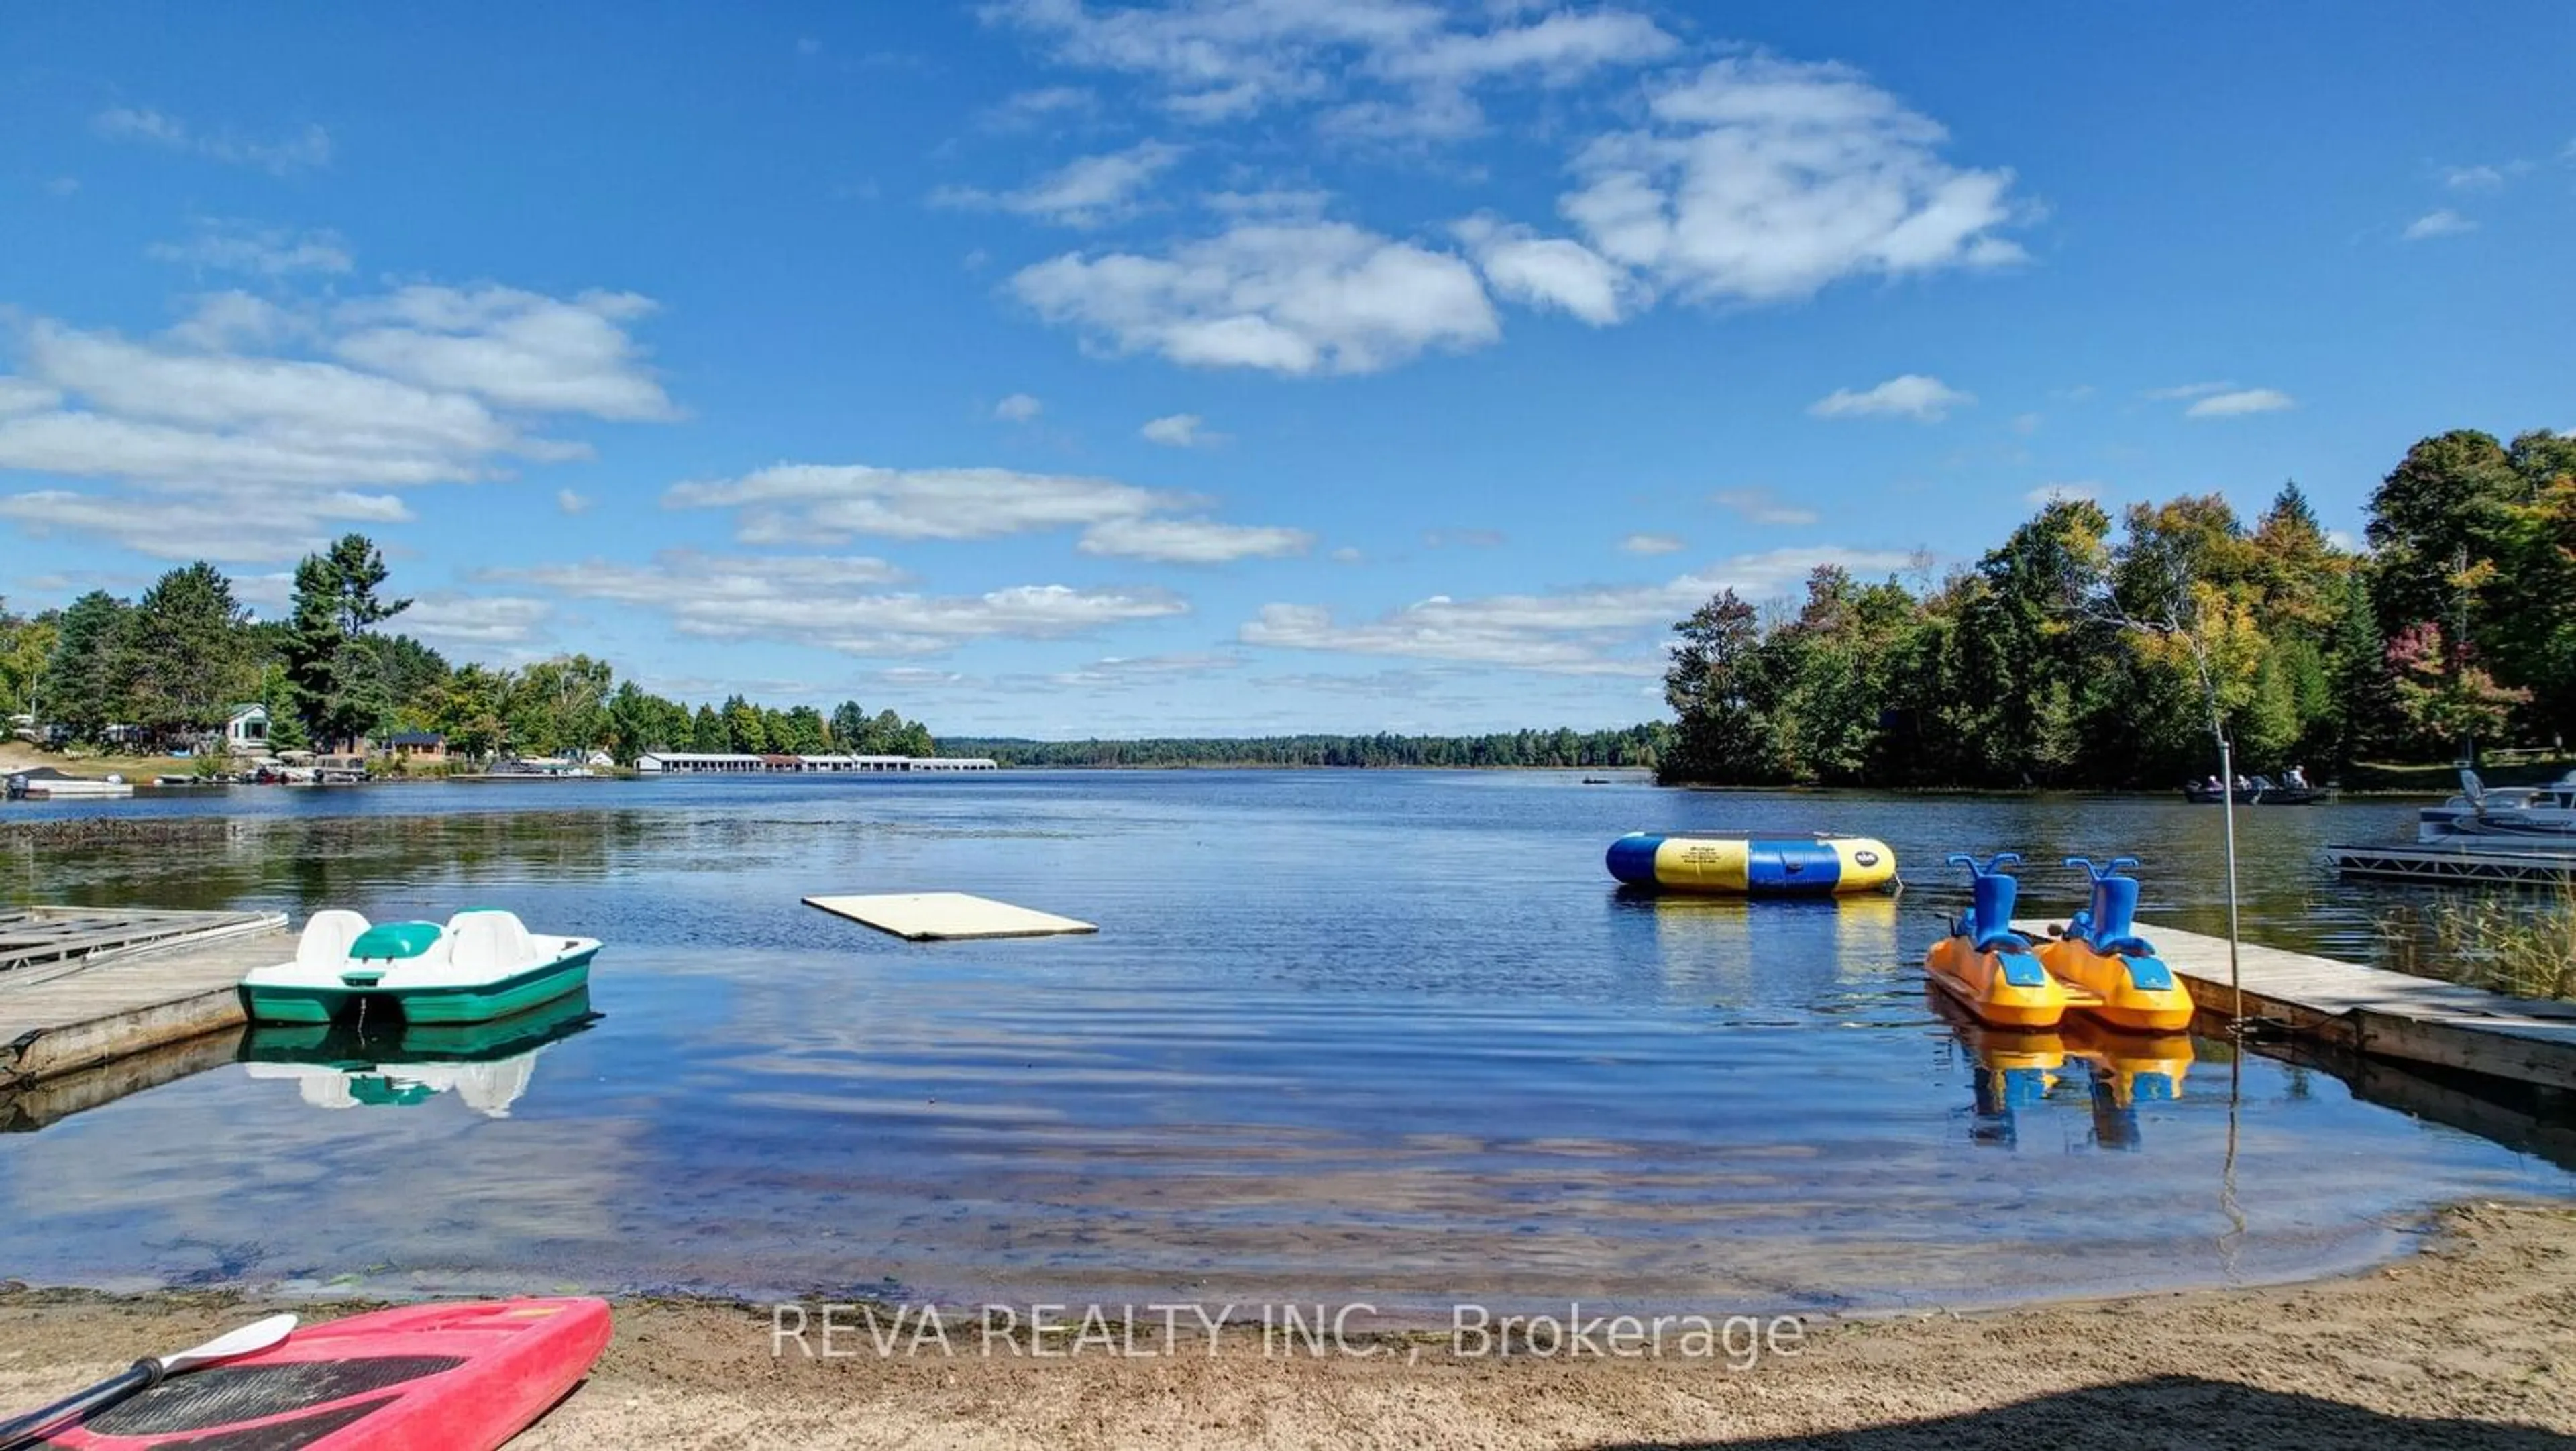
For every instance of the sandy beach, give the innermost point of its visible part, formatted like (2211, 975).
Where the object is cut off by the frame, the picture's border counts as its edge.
(2471, 1343)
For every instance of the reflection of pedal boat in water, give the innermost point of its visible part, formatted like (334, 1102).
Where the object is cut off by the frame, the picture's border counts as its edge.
(487, 1065)
(2019, 1068)
(2136, 1067)
(1989, 967)
(2127, 1069)
(2014, 1068)
(2100, 953)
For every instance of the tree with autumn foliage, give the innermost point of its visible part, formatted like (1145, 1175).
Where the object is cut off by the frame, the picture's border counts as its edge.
(2077, 654)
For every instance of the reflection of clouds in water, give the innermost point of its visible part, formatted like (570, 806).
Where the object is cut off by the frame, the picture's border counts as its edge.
(1340, 1035)
(143, 1185)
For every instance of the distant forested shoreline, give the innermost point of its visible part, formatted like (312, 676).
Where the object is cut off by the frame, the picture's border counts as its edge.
(1637, 747)
(2066, 657)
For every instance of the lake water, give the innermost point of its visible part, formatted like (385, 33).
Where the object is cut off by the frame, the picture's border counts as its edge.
(1392, 1037)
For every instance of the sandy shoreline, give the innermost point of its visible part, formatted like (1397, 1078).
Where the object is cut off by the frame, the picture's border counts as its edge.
(2470, 1344)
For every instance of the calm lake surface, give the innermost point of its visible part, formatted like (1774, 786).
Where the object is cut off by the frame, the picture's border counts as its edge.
(1392, 1037)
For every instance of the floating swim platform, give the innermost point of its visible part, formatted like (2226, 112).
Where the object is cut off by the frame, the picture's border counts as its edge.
(1814, 865)
(948, 916)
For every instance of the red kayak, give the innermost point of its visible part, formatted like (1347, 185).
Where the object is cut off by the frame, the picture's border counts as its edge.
(423, 1378)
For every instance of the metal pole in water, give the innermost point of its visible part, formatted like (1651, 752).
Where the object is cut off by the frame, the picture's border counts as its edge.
(2227, 818)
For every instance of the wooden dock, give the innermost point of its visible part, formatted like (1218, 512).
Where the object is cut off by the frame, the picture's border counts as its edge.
(80, 988)
(2374, 1012)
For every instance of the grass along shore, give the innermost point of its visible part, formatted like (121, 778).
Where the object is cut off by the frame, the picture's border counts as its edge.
(2468, 1345)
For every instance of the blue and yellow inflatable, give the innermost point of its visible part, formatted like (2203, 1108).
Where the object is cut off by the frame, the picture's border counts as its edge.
(1754, 866)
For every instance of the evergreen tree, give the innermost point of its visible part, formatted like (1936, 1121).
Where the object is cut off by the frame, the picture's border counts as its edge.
(708, 733)
(82, 677)
(340, 693)
(182, 661)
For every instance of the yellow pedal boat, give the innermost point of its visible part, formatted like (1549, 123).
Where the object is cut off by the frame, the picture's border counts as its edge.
(1989, 968)
(2100, 954)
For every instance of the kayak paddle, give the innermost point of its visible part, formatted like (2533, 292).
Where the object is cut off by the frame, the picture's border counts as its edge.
(142, 1376)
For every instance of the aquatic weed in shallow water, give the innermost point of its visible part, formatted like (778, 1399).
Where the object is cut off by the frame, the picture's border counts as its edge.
(2520, 942)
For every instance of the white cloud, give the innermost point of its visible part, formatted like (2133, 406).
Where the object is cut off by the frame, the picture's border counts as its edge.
(1277, 203)
(17, 395)
(1123, 672)
(712, 579)
(1298, 298)
(269, 593)
(308, 148)
(834, 603)
(1086, 192)
(1554, 272)
(452, 620)
(2484, 177)
(1192, 541)
(1018, 408)
(2249, 400)
(1652, 544)
(229, 430)
(572, 503)
(225, 321)
(2442, 223)
(1383, 67)
(228, 526)
(1180, 430)
(790, 504)
(1023, 110)
(516, 349)
(2025, 424)
(62, 186)
(1917, 396)
(1347, 555)
(1765, 180)
(2085, 490)
(234, 246)
(826, 503)
(2181, 391)
(1761, 506)
(258, 419)
(1612, 630)
(1559, 49)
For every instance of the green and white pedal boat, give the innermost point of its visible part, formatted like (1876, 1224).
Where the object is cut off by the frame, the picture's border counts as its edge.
(482, 965)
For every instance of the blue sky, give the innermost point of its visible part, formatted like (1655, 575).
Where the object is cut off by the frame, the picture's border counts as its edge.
(1244, 365)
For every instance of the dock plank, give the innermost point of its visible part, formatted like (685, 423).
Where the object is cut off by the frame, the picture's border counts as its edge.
(2374, 1011)
(63, 1018)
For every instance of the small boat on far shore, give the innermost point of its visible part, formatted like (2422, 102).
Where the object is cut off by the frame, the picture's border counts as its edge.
(44, 783)
(2260, 791)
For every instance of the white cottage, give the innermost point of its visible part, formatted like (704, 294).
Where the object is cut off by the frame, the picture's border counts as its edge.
(246, 730)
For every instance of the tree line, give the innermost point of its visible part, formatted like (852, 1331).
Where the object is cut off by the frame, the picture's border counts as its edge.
(167, 668)
(1634, 746)
(2076, 655)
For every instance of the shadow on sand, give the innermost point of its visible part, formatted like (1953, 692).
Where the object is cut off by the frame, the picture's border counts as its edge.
(2165, 1411)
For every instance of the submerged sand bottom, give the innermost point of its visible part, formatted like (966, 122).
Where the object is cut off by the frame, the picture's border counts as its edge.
(2470, 1344)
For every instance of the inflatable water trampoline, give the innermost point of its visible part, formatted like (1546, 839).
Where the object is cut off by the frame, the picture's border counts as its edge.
(1816, 865)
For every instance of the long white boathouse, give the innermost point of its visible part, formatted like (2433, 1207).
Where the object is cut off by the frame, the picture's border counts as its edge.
(724, 763)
